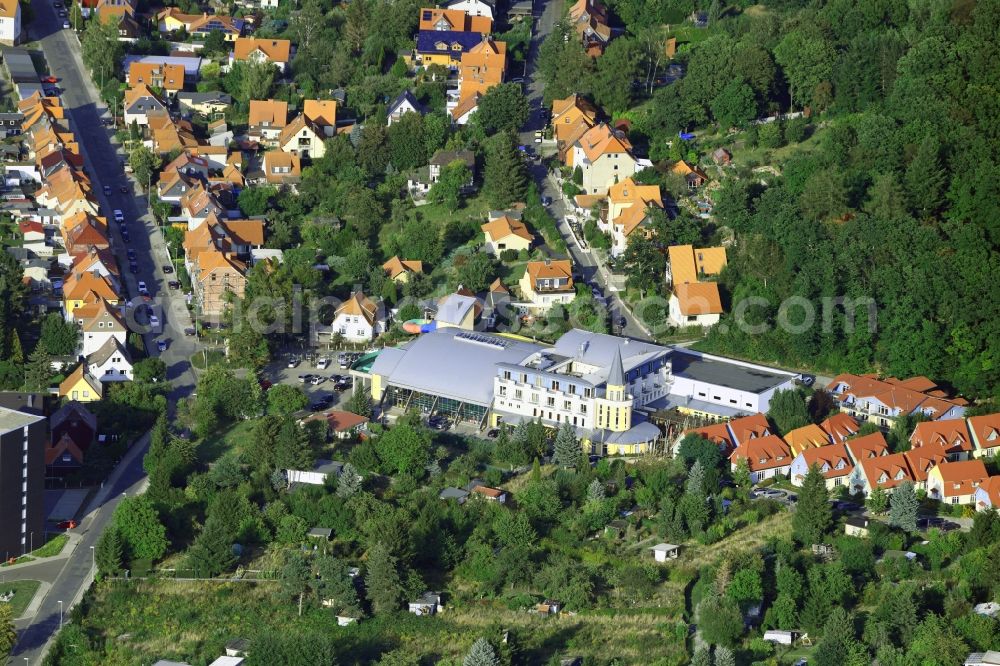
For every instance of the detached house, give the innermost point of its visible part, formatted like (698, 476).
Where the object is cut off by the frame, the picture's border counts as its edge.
(216, 276)
(605, 157)
(628, 206)
(111, 362)
(99, 323)
(453, 20)
(404, 103)
(278, 52)
(956, 482)
(10, 21)
(72, 431)
(358, 319)
(140, 103)
(547, 283)
(445, 48)
(767, 457)
(590, 20)
(281, 168)
(303, 138)
(166, 76)
(568, 114)
(399, 270)
(695, 304)
(693, 175)
(81, 386)
(267, 119)
(505, 233)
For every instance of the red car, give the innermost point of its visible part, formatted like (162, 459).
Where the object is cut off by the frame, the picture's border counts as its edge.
(67, 524)
(50, 79)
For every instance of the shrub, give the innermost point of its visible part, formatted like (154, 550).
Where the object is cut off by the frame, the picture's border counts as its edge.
(509, 255)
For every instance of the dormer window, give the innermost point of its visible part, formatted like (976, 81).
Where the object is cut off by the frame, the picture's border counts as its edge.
(883, 478)
(899, 475)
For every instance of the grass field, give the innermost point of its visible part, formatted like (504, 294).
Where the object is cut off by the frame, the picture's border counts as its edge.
(24, 591)
(53, 547)
(136, 622)
(214, 446)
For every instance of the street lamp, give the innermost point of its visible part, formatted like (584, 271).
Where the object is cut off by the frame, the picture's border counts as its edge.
(60, 614)
(93, 558)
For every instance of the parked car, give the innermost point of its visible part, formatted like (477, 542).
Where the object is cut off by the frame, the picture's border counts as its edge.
(305, 378)
(293, 361)
(167, 269)
(124, 189)
(806, 380)
(321, 403)
(161, 345)
(492, 433)
(142, 288)
(119, 216)
(323, 363)
(317, 380)
(125, 236)
(130, 253)
(189, 332)
(67, 524)
(546, 201)
(154, 321)
(133, 267)
(174, 284)
(107, 190)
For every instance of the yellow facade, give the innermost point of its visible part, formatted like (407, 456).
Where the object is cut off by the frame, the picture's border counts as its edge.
(81, 391)
(172, 24)
(69, 306)
(376, 387)
(443, 59)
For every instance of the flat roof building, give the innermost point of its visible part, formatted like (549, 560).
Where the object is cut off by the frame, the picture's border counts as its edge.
(23, 438)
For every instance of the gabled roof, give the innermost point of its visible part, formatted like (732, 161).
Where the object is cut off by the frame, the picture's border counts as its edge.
(840, 426)
(867, 446)
(279, 159)
(73, 409)
(830, 457)
(895, 393)
(807, 437)
(953, 434)
(274, 112)
(465, 105)
(923, 459)
(406, 97)
(75, 377)
(761, 453)
(887, 471)
(455, 42)
(601, 140)
(396, 266)
(209, 262)
(78, 285)
(503, 226)
(139, 92)
(574, 101)
(110, 347)
(748, 428)
(548, 269)
(298, 124)
(63, 445)
(359, 305)
(338, 420)
(100, 317)
(682, 168)
(172, 75)
(991, 487)
(986, 430)
(962, 477)
(498, 288)
(276, 50)
(698, 298)
(322, 112)
(718, 433)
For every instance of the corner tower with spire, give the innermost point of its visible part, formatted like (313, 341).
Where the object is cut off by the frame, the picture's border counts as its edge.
(614, 410)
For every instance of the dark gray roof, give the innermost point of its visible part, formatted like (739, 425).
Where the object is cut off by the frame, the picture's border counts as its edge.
(334, 467)
(453, 493)
(321, 532)
(731, 374)
(407, 96)
(446, 157)
(616, 375)
(106, 350)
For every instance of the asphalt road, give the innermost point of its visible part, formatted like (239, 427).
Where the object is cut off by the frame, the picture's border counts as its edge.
(103, 163)
(547, 14)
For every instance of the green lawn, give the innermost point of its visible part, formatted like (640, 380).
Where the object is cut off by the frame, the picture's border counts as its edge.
(205, 359)
(214, 447)
(24, 592)
(53, 547)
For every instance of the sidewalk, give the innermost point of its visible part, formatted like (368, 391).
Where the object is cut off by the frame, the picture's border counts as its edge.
(74, 539)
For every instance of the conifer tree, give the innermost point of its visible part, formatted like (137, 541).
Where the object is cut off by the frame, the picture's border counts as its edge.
(481, 654)
(567, 451)
(903, 507)
(108, 552)
(813, 514)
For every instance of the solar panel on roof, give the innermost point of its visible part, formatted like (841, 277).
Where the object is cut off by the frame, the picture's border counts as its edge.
(489, 340)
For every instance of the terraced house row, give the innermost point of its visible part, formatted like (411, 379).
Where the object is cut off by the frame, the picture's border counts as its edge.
(68, 213)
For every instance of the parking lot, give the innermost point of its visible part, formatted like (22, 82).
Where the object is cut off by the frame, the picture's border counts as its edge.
(327, 385)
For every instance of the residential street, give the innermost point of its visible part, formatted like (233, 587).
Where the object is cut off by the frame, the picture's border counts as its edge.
(583, 261)
(103, 164)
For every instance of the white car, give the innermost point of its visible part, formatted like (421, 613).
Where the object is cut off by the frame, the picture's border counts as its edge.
(119, 216)
(142, 288)
(154, 321)
(323, 363)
